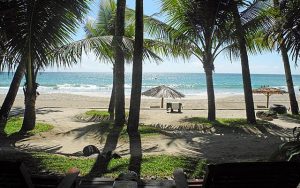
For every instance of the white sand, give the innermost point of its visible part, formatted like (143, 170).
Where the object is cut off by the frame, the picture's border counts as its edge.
(70, 136)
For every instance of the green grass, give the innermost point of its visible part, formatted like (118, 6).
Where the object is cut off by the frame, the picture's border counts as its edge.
(144, 130)
(14, 125)
(97, 113)
(100, 113)
(96, 116)
(223, 122)
(153, 166)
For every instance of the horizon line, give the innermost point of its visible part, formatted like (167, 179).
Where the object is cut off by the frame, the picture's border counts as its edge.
(154, 72)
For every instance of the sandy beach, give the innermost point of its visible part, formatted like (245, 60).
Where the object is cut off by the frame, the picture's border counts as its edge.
(69, 135)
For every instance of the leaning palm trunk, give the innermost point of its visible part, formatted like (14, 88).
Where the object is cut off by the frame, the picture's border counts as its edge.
(111, 108)
(136, 89)
(288, 74)
(11, 96)
(210, 93)
(289, 80)
(119, 65)
(245, 66)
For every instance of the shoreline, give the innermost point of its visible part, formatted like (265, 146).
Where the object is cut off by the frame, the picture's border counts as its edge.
(79, 100)
(201, 94)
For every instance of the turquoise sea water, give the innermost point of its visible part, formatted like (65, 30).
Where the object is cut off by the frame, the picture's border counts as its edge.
(188, 83)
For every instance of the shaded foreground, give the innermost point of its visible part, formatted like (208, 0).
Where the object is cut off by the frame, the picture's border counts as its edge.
(177, 137)
(189, 147)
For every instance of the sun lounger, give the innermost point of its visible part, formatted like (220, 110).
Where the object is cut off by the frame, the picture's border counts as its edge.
(246, 175)
(14, 174)
(174, 106)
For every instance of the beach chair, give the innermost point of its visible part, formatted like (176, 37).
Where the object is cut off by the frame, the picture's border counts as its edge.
(15, 175)
(174, 106)
(246, 175)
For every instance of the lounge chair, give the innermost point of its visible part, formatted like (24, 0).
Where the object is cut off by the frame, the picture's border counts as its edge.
(246, 175)
(174, 106)
(15, 175)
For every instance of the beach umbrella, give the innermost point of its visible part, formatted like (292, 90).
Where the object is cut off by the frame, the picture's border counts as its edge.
(163, 92)
(268, 91)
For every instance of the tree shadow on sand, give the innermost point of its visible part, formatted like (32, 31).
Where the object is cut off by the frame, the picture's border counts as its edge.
(106, 133)
(17, 111)
(289, 119)
(101, 165)
(97, 131)
(227, 143)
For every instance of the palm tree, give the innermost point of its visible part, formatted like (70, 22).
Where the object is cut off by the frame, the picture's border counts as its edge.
(119, 65)
(41, 27)
(202, 28)
(104, 27)
(241, 38)
(99, 35)
(100, 166)
(284, 52)
(214, 31)
(136, 89)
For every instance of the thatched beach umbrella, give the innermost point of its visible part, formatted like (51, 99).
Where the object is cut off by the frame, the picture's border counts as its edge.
(268, 91)
(163, 92)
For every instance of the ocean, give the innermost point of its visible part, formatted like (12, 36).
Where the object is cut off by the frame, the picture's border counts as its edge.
(88, 83)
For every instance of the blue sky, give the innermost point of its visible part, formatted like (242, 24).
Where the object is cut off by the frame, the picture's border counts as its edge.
(268, 63)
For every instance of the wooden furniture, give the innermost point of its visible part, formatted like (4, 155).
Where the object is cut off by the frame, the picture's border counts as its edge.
(13, 174)
(247, 175)
(108, 183)
(174, 106)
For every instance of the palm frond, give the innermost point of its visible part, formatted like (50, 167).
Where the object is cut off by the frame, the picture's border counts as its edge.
(72, 52)
(291, 26)
(41, 27)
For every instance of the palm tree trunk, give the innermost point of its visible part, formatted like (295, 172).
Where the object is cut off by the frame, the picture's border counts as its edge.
(11, 96)
(101, 164)
(30, 96)
(288, 74)
(111, 108)
(289, 80)
(29, 113)
(245, 67)
(210, 94)
(136, 89)
(119, 65)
